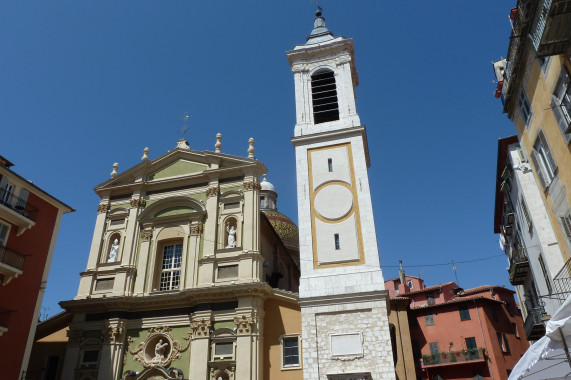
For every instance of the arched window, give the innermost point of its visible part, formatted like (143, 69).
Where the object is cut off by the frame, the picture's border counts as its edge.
(324, 94)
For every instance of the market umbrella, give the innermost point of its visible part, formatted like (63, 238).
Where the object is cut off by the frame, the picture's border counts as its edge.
(549, 357)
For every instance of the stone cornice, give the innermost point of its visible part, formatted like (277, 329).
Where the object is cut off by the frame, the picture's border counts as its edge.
(109, 270)
(178, 299)
(339, 299)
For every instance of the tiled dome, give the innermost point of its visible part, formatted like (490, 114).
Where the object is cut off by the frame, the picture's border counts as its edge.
(286, 229)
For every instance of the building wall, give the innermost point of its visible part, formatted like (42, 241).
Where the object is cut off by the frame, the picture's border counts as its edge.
(36, 243)
(539, 87)
(281, 318)
(52, 345)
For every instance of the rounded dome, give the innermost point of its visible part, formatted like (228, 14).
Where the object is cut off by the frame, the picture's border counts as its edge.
(285, 228)
(267, 186)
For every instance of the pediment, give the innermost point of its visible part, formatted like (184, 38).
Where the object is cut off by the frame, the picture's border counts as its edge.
(178, 168)
(176, 164)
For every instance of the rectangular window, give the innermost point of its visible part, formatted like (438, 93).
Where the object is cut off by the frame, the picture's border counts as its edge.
(545, 275)
(330, 164)
(516, 332)
(337, 246)
(464, 313)
(434, 352)
(543, 161)
(503, 341)
(51, 367)
(525, 212)
(4, 231)
(409, 283)
(430, 299)
(90, 357)
(472, 348)
(290, 351)
(506, 345)
(566, 223)
(494, 313)
(561, 104)
(429, 319)
(223, 350)
(170, 273)
(525, 108)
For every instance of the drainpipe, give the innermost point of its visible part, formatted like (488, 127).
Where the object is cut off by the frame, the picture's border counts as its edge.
(484, 338)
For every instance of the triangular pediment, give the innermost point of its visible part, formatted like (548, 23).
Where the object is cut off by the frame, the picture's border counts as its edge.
(177, 163)
(180, 167)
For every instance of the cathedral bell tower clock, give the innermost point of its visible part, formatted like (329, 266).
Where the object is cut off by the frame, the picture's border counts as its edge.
(345, 329)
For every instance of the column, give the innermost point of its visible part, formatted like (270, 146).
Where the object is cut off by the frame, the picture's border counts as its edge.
(199, 348)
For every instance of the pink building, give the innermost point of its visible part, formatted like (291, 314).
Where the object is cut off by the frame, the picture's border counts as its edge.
(460, 333)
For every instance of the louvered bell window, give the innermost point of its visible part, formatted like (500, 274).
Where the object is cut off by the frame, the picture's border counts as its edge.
(324, 94)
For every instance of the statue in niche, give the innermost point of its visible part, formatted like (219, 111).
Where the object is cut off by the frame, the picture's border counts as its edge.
(231, 236)
(113, 251)
(160, 351)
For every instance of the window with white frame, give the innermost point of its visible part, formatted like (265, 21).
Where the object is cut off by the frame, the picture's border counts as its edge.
(525, 213)
(4, 231)
(561, 104)
(543, 161)
(525, 108)
(290, 351)
(170, 270)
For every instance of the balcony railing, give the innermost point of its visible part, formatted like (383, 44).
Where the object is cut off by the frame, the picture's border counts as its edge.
(519, 266)
(11, 258)
(454, 357)
(534, 324)
(21, 206)
(562, 281)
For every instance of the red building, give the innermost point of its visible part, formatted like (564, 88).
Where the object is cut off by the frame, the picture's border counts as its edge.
(462, 333)
(29, 224)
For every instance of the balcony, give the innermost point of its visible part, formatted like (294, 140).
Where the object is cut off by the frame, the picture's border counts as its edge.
(11, 264)
(454, 357)
(17, 211)
(519, 266)
(552, 34)
(534, 323)
(562, 282)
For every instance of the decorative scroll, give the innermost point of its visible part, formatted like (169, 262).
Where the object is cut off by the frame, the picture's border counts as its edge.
(212, 192)
(138, 203)
(146, 235)
(159, 349)
(102, 208)
(252, 185)
(113, 334)
(244, 324)
(200, 328)
(74, 337)
(222, 372)
(196, 229)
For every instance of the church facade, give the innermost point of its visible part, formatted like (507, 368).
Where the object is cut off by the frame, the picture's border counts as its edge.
(193, 273)
(185, 267)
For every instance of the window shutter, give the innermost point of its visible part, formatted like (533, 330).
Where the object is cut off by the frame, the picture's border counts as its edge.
(562, 84)
(23, 198)
(538, 169)
(558, 114)
(3, 182)
(566, 222)
(552, 162)
(3, 234)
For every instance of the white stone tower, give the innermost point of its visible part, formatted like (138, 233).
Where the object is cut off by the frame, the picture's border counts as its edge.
(345, 329)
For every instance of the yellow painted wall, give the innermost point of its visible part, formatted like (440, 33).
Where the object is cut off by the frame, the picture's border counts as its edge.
(398, 316)
(539, 89)
(281, 318)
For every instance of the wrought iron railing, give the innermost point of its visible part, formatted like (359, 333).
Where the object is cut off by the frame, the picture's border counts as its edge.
(450, 357)
(562, 281)
(533, 325)
(11, 258)
(21, 206)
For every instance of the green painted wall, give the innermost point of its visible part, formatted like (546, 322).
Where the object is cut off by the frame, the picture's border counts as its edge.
(223, 324)
(120, 205)
(140, 335)
(175, 210)
(178, 168)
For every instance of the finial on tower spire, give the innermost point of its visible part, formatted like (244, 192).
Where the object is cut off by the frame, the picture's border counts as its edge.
(319, 33)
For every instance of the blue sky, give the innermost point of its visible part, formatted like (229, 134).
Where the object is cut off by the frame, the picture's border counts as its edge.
(84, 84)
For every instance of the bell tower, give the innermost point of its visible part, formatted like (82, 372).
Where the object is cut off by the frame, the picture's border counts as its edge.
(344, 304)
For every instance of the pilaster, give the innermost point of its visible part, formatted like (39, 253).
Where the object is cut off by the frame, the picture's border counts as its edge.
(71, 358)
(112, 350)
(199, 348)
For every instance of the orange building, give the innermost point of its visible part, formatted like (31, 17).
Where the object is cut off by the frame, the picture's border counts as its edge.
(461, 334)
(29, 224)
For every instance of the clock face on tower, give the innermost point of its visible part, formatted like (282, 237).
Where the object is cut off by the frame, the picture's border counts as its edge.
(335, 221)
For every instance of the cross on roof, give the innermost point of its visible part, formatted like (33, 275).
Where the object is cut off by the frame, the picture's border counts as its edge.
(184, 128)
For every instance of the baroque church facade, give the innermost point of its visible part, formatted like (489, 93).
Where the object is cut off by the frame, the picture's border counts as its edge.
(194, 274)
